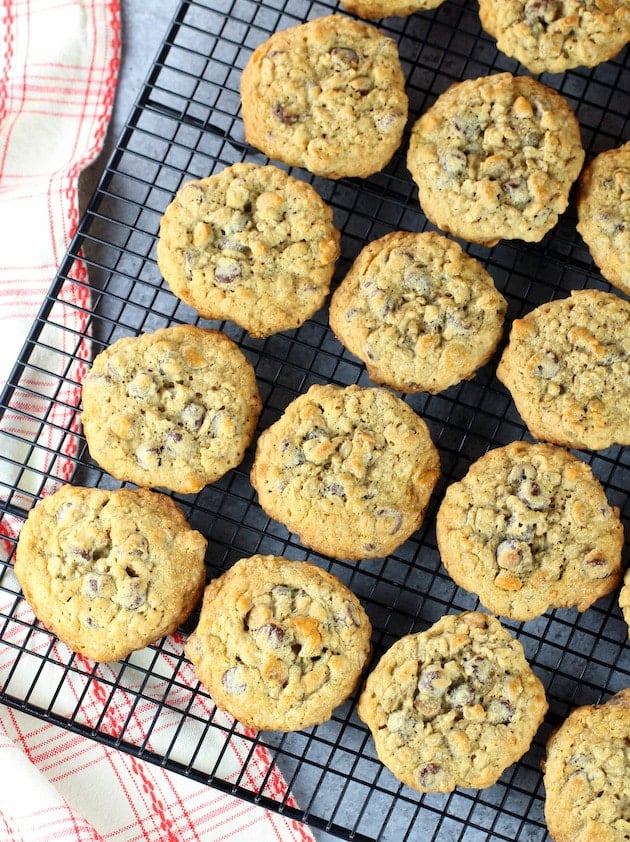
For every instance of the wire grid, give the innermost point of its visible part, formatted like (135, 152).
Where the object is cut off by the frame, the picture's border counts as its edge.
(186, 124)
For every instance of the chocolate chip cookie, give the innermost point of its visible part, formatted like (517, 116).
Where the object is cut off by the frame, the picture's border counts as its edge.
(327, 95)
(529, 528)
(418, 311)
(453, 706)
(109, 571)
(603, 209)
(567, 366)
(495, 157)
(556, 35)
(251, 244)
(586, 774)
(280, 643)
(372, 9)
(176, 408)
(350, 470)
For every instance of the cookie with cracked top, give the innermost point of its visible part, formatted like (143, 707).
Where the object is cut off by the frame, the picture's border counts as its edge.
(529, 528)
(551, 36)
(252, 244)
(176, 408)
(603, 209)
(279, 644)
(587, 789)
(351, 470)
(495, 158)
(418, 311)
(453, 706)
(327, 95)
(110, 571)
(567, 366)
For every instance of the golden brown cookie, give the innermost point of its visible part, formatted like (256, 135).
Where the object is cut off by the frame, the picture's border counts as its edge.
(587, 788)
(529, 528)
(567, 366)
(495, 157)
(603, 208)
(556, 35)
(251, 244)
(418, 311)
(176, 408)
(109, 571)
(453, 706)
(327, 95)
(350, 470)
(280, 643)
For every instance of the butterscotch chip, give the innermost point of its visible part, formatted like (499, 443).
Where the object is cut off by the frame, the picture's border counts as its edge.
(373, 9)
(495, 157)
(587, 789)
(567, 366)
(110, 571)
(251, 244)
(327, 95)
(418, 311)
(603, 208)
(529, 528)
(176, 408)
(280, 643)
(350, 470)
(556, 35)
(453, 706)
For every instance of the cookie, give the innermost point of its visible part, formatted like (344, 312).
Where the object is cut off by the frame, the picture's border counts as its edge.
(373, 9)
(327, 95)
(453, 706)
(109, 571)
(251, 244)
(349, 469)
(529, 528)
(587, 789)
(603, 209)
(176, 408)
(418, 311)
(567, 366)
(624, 600)
(280, 644)
(556, 35)
(495, 157)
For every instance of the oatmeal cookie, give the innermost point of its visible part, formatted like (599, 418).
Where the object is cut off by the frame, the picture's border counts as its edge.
(373, 9)
(350, 470)
(529, 528)
(327, 95)
(495, 158)
(418, 311)
(251, 244)
(587, 788)
(603, 209)
(454, 705)
(556, 35)
(176, 408)
(624, 599)
(109, 571)
(567, 366)
(280, 643)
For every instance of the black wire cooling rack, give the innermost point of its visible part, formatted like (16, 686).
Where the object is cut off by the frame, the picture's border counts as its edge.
(186, 124)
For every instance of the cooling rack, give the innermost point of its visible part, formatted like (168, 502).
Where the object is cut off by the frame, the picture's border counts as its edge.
(186, 124)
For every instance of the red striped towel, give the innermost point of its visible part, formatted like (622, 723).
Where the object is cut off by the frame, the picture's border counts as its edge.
(59, 61)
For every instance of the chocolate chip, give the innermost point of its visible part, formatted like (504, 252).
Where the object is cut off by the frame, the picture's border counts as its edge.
(284, 117)
(530, 493)
(192, 416)
(269, 635)
(233, 682)
(346, 56)
(227, 271)
(516, 192)
(453, 161)
(427, 774)
(500, 712)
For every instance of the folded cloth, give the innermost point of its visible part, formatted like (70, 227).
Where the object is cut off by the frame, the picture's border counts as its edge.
(59, 61)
